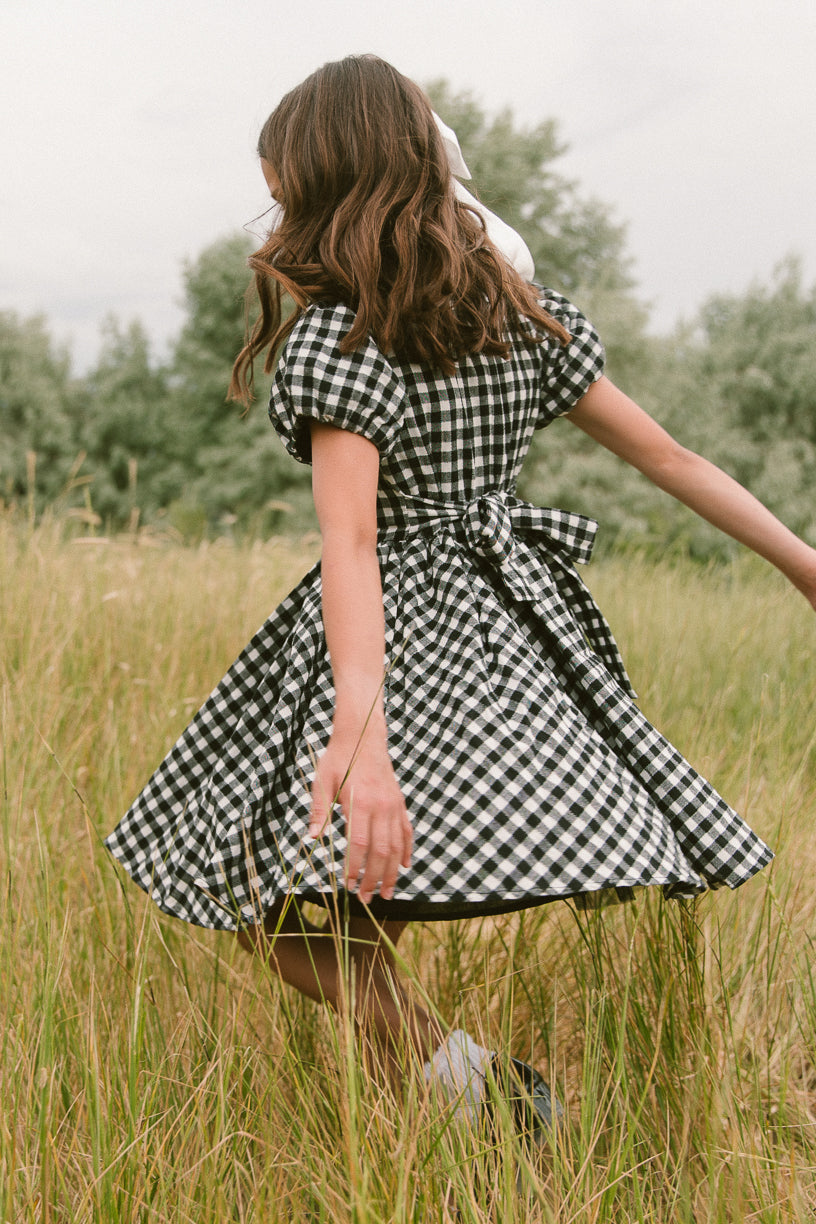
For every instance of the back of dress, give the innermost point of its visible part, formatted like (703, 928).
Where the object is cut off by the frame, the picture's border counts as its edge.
(441, 438)
(528, 771)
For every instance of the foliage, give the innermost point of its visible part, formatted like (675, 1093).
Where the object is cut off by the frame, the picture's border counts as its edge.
(234, 468)
(39, 408)
(125, 431)
(138, 441)
(738, 385)
(760, 356)
(572, 240)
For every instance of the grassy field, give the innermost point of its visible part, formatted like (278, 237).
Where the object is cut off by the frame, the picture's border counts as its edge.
(152, 1073)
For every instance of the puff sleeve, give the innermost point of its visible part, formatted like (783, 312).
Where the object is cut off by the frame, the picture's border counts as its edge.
(569, 370)
(314, 381)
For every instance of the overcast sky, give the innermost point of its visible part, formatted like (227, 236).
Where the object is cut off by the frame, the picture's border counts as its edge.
(128, 131)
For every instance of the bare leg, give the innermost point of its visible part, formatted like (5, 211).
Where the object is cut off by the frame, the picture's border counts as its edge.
(311, 959)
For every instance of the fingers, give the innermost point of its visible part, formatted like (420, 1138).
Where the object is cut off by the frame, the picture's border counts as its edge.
(320, 815)
(407, 842)
(376, 850)
(379, 833)
(382, 865)
(379, 843)
(329, 777)
(357, 828)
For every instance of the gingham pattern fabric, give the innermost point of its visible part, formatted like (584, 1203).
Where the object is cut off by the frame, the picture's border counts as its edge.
(528, 770)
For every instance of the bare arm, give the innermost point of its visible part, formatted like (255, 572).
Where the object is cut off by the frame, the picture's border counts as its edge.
(614, 420)
(345, 469)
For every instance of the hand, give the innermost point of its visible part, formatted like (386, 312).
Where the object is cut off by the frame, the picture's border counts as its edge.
(377, 826)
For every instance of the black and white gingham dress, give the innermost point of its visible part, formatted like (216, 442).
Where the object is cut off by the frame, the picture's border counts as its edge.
(528, 771)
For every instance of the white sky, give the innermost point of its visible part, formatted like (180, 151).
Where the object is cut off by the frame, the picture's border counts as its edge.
(128, 131)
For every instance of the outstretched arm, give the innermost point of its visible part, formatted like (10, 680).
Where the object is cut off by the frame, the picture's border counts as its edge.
(345, 469)
(614, 420)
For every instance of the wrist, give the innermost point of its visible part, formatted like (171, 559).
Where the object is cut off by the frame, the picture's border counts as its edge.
(802, 573)
(807, 586)
(356, 721)
(358, 694)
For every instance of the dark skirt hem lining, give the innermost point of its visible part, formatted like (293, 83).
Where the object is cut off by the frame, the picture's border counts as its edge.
(348, 904)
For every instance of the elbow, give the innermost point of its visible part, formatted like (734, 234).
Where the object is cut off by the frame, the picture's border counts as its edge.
(670, 464)
(349, 539)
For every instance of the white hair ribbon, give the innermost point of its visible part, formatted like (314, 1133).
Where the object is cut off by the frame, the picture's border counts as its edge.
(511, 244)
(450, 140)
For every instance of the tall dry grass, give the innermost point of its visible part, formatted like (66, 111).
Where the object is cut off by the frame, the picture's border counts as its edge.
(151, 1072)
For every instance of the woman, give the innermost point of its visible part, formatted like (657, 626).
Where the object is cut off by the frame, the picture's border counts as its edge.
(476, 740)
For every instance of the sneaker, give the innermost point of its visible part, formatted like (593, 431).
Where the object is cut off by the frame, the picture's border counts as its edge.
(459, 1067)
(536, 1111)
(470, 1075)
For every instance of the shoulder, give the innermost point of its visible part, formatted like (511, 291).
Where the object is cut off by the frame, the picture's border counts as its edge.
(565, 312)
(569, 369)
(318, 328)
(315, 352)
(315, 380)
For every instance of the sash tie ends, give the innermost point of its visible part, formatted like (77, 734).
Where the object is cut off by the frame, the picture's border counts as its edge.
(491, 520)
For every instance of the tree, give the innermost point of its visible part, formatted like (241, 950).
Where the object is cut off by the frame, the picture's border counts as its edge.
(578, 251)
(234, 466)
(761, 355)
(574, 243)
(738, 385)
(124, 432)
(39, 407)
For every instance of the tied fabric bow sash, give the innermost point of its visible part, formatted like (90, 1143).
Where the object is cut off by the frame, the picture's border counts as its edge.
(491, 520)
(496, 527)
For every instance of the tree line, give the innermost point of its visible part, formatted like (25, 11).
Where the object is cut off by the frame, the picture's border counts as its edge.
(137, 442)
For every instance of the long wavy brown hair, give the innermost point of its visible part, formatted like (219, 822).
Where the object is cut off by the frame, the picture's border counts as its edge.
(370, 220)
